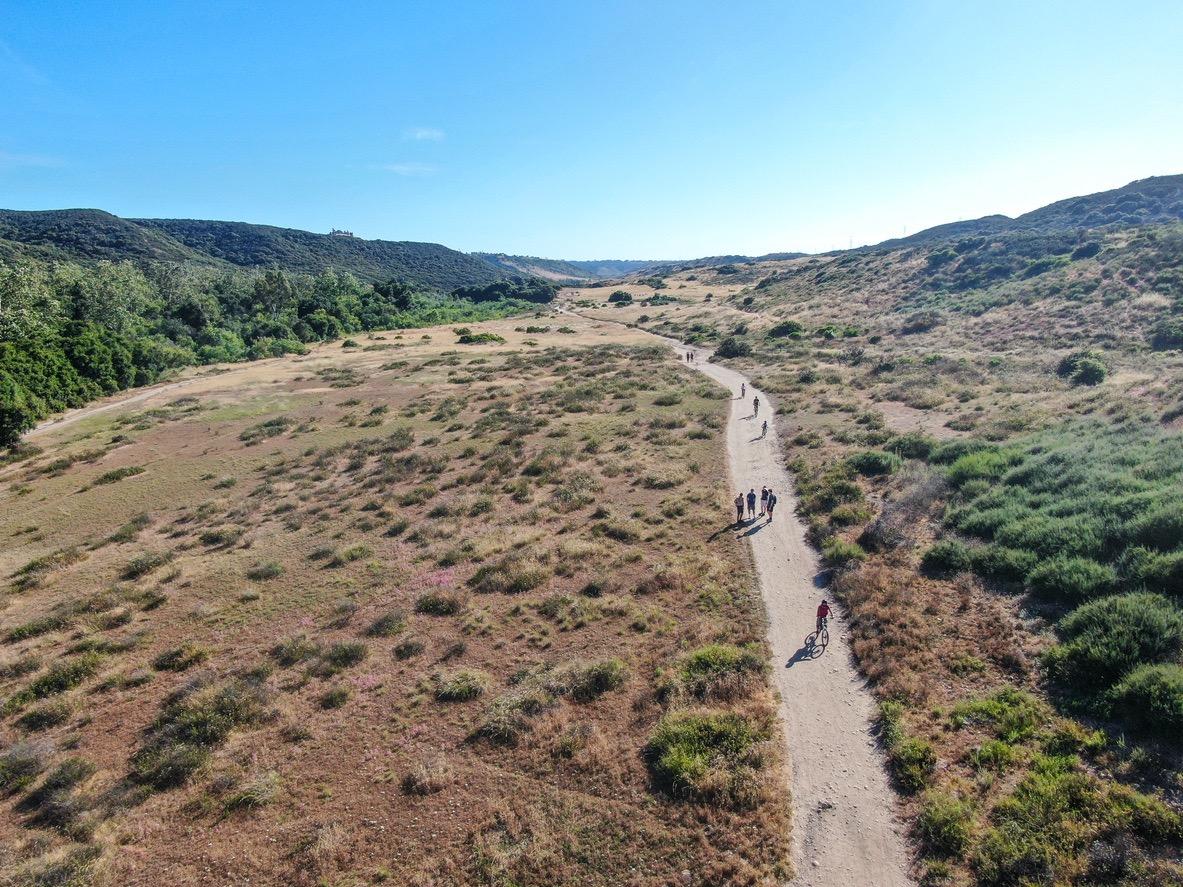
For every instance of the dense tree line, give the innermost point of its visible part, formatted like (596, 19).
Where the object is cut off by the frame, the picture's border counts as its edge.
(70, 332)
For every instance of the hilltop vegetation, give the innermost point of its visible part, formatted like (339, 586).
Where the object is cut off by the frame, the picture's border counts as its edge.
(89, 235)
(390, 614)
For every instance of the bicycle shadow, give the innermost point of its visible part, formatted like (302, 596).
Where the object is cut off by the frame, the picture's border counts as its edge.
(809, 650)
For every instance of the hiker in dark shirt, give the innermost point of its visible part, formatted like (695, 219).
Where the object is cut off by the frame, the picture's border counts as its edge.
(752, 503)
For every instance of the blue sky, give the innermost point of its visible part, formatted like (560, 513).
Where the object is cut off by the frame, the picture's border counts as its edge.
(587, 130)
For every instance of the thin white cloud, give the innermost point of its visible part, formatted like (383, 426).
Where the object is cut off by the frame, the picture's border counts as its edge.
(408, 169)
(424, 134)
(8, 160)
(11, 61)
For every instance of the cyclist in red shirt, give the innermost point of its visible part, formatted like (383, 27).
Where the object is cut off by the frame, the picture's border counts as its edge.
(823, 613)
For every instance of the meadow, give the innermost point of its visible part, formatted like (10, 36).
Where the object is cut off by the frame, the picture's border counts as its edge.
(402, 610)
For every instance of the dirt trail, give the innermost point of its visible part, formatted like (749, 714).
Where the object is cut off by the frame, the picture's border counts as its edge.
(844, 830)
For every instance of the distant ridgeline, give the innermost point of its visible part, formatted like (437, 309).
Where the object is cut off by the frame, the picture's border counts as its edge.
(91, 304)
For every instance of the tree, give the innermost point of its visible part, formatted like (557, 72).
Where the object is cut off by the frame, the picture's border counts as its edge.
(17, 414)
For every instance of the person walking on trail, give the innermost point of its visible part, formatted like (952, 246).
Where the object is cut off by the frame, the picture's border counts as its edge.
(739, 509)
(743, 390)
(823, 613)
(763, 500)
(771, 505)
(756, 405)
(764, 429)
(752, 503)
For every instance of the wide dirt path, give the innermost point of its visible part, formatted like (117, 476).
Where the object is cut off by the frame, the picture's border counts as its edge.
(844, 831)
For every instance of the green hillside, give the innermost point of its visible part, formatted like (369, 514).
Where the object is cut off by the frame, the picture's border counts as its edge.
(1146, 201)
(263, 246)
(87, 235)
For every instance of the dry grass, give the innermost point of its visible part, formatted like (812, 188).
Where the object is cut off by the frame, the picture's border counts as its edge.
(261, 662)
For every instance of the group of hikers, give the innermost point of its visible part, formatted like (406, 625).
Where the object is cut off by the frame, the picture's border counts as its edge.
(691, 357)
(767, 504)
(767, 499)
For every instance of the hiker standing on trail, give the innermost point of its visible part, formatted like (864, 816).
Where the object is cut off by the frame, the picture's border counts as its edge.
(739, 509)
(752, 503)
(743, 390)
(763, 500)
(756, 405)
(771, 505)
(764, 429)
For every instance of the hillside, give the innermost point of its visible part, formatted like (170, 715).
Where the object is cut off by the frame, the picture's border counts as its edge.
(562, 269)
(1156, 199)
(983, 422)
(86, 234)
(264, 246)
(89, 235)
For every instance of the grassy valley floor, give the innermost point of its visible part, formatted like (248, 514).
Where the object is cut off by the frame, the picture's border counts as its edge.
(411, 612)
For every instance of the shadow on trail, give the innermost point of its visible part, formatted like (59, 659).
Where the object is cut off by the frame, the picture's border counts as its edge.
(811, 649)
(756, 527)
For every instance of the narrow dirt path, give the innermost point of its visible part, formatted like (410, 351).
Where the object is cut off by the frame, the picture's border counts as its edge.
(844, 829)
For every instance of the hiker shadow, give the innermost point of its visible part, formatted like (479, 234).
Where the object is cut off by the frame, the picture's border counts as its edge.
(735, 525)
(755, 528)
(810, 649)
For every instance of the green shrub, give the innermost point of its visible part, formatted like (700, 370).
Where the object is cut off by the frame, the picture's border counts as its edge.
(589, 681)
(993, 754)
(1072, 578)
(983, 464)
(912, 445)
(265, 571)
(841, 554)
(786, 328)
(346, 654)
(719, 671)
(335, 697)
(1151, 699)
(733, 346)
(294, 650)
(705, 755)
(1013, 714)
(1109, 637)
(190, 726)
(912, 762)
(387, 625)
(45, 716)
(945, 824)
(946, 557)
(460, 686)
(1002, 563)
(438, 604)
(873, 463)
(1090, 371)
(145, 564)
(511, 575)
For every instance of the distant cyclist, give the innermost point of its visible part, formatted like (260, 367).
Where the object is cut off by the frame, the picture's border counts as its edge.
(756, 405)
(823, 614)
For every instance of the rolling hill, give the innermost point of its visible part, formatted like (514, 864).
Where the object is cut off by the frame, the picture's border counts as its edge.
(92, 235)
(563, 269)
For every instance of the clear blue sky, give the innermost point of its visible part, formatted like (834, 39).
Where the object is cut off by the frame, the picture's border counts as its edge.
(586, 129)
